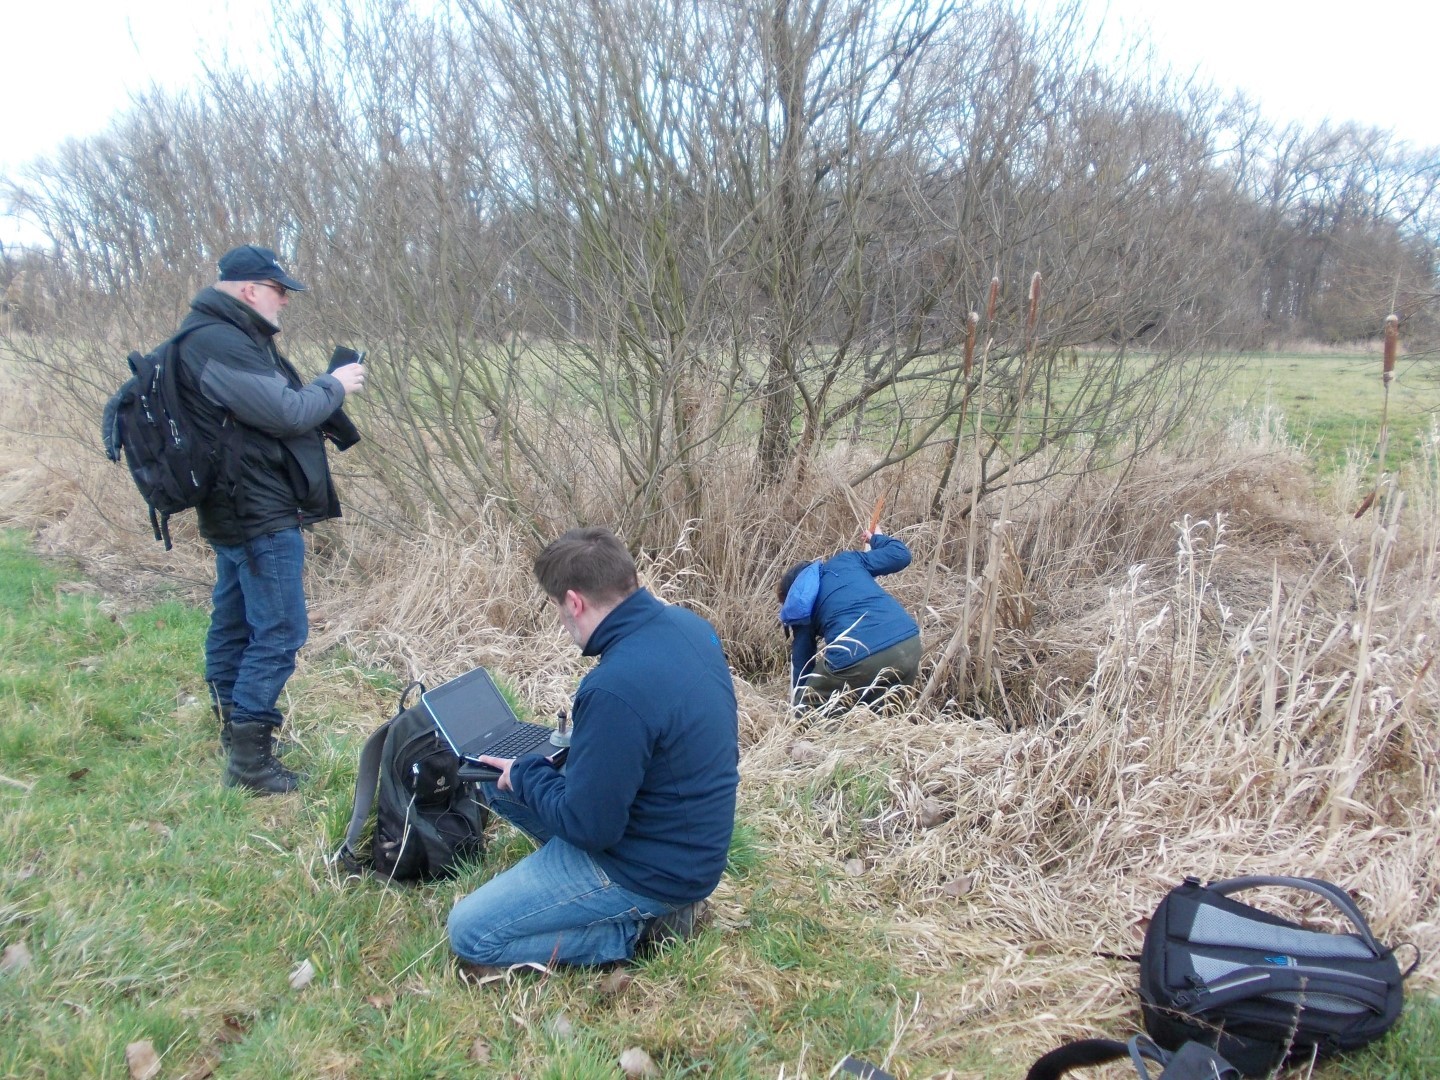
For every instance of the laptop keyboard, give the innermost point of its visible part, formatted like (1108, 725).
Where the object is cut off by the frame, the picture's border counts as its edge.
(525, 738)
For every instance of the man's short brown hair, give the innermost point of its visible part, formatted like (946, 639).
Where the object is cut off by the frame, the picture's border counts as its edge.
(592, 561)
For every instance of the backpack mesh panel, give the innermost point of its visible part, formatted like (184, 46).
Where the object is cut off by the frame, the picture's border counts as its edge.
(1212, 926)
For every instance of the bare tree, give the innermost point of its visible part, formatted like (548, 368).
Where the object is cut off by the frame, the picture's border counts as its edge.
(731, 230)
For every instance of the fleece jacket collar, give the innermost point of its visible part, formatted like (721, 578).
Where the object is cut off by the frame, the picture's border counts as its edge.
(631, 613)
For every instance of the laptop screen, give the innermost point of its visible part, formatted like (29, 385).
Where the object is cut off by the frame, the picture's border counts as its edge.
(470, 711)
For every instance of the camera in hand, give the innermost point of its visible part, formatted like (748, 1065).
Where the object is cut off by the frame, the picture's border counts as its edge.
(343, 355)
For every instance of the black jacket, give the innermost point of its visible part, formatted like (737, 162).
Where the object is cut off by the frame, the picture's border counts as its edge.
(271, 426)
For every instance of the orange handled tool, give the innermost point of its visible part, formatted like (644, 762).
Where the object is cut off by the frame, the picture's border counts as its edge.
(875, 517)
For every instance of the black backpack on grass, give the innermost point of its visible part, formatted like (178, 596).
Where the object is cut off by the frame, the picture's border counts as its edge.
(1260, 989)
(174, 465)
(427, 819)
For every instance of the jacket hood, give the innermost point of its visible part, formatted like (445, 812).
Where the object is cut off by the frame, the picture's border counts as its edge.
(211, 303)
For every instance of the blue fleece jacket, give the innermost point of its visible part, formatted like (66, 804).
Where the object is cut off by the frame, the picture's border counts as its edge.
(854, 615)
(649, 786)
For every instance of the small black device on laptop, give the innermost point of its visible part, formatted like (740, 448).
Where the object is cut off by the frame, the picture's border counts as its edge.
(474, 718)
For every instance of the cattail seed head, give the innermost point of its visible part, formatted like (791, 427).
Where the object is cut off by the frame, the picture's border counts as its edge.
(970, 344)
(1392, 344)
(994, 298)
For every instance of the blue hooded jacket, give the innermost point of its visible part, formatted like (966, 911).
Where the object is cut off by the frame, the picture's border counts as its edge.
(649, 786)
(854, 615)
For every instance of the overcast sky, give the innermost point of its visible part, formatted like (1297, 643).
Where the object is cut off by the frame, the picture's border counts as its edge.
(68, 66)
(1307, 61)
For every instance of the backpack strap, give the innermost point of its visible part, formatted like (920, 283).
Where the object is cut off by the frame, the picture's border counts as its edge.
(367, 780)
(1337, 896)
(1193, 1061)
(853, 1066)
(161, 524)
(1076, 1055)
(170, 391)
(1248, 983)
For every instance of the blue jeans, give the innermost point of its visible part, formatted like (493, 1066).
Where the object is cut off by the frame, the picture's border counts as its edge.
(257, 623)
(556, 905)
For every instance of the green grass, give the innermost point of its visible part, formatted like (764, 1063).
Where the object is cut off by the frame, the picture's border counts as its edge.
(157, 905)
(1333, 403)
(1410, 1051)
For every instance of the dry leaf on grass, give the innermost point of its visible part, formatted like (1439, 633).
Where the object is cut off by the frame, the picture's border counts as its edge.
(804, 752)
(302, 975)
(617, 982)
(958, 887)
(932, 813)
(203, 1070)
(562, 1027)
(636, 1062)
(855, 867)
(232, 1030)
(141, 1060)
(480, 1051)
(15, 957)
(383, 1002)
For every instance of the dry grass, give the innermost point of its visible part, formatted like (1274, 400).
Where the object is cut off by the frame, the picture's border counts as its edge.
(1202, 668)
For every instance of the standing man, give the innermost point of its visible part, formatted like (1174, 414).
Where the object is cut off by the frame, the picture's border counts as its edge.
(269, 428)
(871, 642)
(635, 830)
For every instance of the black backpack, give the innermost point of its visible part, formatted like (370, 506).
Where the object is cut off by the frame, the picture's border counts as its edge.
(173, 464)
(1260, 989)
(1191, 1062)
(428, 819)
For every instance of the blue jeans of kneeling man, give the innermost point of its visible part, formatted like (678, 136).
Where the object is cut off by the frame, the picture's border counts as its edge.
(258, 622)
(556, 905)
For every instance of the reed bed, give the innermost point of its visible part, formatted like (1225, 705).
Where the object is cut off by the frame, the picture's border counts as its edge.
(1205, 667)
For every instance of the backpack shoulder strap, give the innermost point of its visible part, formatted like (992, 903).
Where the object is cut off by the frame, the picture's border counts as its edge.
(1249, 983)
(1192, 1061)
(367, 779)
(1076, 1055)
(170, 374)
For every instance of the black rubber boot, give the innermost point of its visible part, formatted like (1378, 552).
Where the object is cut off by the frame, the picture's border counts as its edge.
(252, 763)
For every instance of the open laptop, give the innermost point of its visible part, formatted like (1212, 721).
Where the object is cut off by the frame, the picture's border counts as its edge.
(474, 718)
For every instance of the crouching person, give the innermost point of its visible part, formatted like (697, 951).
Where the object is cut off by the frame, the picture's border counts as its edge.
(871, 642)
(634, 831)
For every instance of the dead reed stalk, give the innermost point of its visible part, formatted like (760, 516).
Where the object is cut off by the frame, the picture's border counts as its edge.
(1193, 693)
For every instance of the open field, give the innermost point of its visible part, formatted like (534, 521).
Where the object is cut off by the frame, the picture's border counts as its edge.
(1332, 402)
(1218, 671)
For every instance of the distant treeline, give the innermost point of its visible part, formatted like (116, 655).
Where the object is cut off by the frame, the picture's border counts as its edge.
(710, 209)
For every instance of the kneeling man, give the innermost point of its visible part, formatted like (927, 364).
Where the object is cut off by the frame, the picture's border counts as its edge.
(635, 830)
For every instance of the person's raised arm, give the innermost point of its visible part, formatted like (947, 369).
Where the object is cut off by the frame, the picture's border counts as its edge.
(265, 400)
(886, 555)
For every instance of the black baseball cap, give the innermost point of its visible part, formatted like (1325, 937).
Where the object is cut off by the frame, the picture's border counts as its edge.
(253, 263)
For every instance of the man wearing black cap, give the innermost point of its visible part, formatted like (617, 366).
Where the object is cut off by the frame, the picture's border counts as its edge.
(270, 428)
